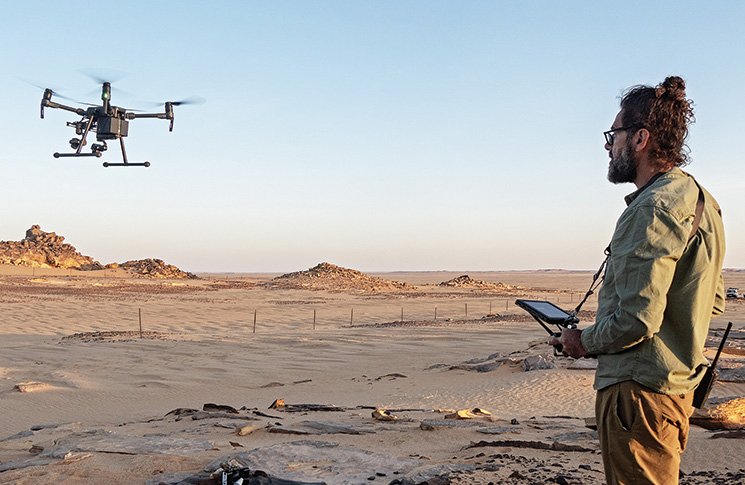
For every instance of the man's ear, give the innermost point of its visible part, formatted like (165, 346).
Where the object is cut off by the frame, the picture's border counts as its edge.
(641, 139)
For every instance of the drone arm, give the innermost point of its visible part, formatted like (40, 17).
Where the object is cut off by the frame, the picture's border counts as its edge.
(51, 104)
(166, 115)
(131, 115)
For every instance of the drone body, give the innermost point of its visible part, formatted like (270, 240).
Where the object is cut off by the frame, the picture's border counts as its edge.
(107, 121)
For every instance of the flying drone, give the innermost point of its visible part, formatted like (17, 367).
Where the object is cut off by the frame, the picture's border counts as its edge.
(109, 122)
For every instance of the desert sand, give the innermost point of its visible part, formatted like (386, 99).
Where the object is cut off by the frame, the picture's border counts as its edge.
(97, 392)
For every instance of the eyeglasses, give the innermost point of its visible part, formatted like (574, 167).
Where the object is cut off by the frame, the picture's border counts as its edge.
(610, 136)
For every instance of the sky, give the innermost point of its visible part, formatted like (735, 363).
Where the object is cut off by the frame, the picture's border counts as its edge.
(377, 135)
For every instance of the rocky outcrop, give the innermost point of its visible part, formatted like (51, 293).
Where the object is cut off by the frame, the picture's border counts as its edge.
(465, 281)
(44, 250)
(48, 250)
(153, 268)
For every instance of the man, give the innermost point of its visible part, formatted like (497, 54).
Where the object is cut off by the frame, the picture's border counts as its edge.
(662, 285)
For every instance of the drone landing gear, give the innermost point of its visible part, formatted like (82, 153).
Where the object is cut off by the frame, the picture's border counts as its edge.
(124, 157)
(64, 155)
(126, 164)
(97, 151)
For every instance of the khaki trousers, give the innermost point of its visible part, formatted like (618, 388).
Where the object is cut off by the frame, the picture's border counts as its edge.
(642, 433)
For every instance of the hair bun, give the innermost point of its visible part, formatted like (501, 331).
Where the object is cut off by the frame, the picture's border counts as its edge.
(672, 87)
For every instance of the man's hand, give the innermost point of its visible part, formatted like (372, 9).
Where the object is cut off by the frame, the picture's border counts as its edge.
(572, 343)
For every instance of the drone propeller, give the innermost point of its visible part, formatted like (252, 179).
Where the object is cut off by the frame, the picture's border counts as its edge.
(189, 100)
(54, 91)
(103, 75)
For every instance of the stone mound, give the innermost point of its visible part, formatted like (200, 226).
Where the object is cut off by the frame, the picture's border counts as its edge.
(152, 268)
(327, 276)
(44, 250)
(465, 281)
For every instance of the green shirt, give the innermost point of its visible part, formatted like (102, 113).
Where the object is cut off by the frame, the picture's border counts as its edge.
(660, 290)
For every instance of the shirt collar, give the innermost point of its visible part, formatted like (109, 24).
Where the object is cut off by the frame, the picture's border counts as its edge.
(630, 198)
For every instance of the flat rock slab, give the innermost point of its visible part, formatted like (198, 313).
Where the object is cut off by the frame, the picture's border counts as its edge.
(733, 374)
(318, 461)
(107, 442)
(728, 413)
(576, 436)
(538, 362)
(431, 424)
(582, 364)
(101, 441)
(32, 386)
(500, 430)
(324, 427)
(485, 367)
(219, 415)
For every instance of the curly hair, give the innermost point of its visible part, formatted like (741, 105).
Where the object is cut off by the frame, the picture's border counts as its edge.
(666, 113)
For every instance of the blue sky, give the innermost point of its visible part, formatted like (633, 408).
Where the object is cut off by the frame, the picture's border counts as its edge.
(378, 135)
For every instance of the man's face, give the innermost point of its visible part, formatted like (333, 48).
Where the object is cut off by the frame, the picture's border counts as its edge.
(622, 166)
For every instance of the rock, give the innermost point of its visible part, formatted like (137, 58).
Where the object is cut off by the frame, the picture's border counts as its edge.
(39, 427)
(21, 434)
(538, 362)
(575, 436)
(330, 277)
(280, 405)
(182, 411)
(317, 461)
(732, 373)
(728, 413)
(76, 446)
(583, 364)
(44, 250)
(246, 430)
(36, 449)
(539, 445)
(31, 386)
(391, 377)
(199, 415)
(323, 427)
(155, 268)
(48, 250)
(500, 430)
(469, 414)
(464, 281)
(432, 424)
(210, 407)
(383, 415)
(486, 364)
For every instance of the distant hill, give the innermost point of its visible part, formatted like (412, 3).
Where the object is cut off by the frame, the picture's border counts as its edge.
(327, 276)
(41, 249)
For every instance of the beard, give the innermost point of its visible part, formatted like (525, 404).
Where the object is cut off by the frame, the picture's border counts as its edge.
(622, 169)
